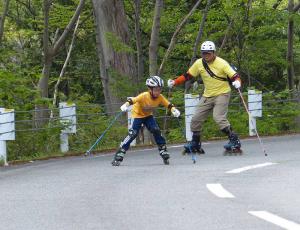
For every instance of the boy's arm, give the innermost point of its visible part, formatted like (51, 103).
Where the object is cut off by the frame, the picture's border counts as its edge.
(130, 101)
(170, 106)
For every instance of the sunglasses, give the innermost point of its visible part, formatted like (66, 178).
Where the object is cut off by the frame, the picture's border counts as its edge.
(206, 52)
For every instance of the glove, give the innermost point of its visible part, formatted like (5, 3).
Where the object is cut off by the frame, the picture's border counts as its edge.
(124, 107)
(236, 84)
(171, 83)
(175, 112)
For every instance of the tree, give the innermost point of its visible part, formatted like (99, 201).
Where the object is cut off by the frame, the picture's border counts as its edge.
(115, 56)
(173, 39)
(154, 41)
(138, 38)
(55, 94)
(2, 18)
(290, 37)
(49, 53)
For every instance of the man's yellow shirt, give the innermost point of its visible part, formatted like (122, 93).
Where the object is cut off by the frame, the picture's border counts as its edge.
(213, 87)
(144, 104)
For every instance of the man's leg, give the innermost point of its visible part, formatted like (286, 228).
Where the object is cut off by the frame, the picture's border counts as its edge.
(201, 114)
(220, 116)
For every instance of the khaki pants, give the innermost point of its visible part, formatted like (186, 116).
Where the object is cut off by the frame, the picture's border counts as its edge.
(219, 106)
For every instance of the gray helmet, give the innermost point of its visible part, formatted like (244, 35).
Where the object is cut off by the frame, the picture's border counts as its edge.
(155, 81)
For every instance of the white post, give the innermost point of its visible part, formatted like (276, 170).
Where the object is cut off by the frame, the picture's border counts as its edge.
(7, 131)
(64, 142)
(67, 114)
(190, 103)
(3, 153)
(252, 126)
(255, 109)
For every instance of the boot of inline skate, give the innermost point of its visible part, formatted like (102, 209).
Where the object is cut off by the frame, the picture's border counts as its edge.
(193, 146)
(118, 158)
(233, 147)
(163, 152)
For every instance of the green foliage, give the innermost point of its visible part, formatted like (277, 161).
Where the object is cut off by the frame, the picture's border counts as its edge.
(15, 92)
(117, 44)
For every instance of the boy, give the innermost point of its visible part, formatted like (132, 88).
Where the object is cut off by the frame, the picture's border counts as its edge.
(142, 112)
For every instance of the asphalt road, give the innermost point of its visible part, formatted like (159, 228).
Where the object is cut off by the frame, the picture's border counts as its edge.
(218, 192)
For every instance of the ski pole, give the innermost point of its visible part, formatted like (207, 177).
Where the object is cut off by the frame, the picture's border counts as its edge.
(102, 135)
(183, 133)
(260, 141)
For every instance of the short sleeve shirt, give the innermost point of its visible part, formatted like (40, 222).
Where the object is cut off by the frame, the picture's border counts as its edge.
(213, 87)
(144, 104)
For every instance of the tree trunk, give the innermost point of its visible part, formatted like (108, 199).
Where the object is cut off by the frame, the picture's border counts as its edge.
(290, 56)
(226, 35)
(62, 72)
(110, 18)
(153, 47)
(140, 62)
(50, 52)
(2, 19)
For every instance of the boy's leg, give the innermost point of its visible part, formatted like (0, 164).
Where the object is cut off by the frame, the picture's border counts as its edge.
(125, 144)
(152, 126)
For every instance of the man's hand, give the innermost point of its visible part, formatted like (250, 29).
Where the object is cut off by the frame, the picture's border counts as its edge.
(124, 107)
(171, 83)
(175, 112)
(236, 84)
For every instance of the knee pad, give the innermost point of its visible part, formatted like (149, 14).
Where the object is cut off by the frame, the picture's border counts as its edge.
(155, 130)
(132, 134)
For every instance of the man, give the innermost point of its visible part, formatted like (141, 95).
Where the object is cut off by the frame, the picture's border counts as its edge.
(217, 75)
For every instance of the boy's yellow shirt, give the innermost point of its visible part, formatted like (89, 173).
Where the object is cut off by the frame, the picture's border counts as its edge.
(144, 104)
(213, 87)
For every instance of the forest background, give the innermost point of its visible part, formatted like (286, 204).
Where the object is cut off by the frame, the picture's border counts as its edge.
(97, 53)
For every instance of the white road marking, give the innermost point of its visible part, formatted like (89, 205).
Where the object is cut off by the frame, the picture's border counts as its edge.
(219, 191)
(239, 170)
(286, 224)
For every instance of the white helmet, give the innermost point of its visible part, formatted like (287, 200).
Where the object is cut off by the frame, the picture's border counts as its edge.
(208, 46)
(155, 81)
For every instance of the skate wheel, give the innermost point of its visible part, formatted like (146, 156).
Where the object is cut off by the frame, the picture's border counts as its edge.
(233, 152)
(166, 162)
(115, 163)
(201, 151)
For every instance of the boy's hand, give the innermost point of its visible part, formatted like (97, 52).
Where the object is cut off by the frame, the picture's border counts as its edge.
(175, 112)
(171, 83)
(124, 107)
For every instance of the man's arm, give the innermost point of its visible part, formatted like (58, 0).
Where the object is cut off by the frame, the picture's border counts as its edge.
(180, 80)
